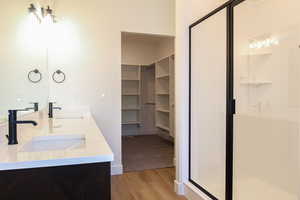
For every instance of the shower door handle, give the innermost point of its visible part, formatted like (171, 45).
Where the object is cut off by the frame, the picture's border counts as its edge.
(233, 106)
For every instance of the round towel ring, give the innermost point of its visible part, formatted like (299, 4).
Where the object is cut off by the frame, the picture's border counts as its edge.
(34, 72)
(56, 78)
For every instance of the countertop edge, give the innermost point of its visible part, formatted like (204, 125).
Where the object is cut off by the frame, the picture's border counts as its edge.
(56, 162)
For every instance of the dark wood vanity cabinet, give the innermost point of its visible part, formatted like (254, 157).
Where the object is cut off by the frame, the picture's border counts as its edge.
(72, 182)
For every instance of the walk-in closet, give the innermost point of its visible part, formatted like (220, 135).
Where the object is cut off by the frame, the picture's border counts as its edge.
(147, 101)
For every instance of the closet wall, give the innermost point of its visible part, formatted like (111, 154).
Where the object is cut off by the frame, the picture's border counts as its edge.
(138, 49)
(145, 49)
(141, 52)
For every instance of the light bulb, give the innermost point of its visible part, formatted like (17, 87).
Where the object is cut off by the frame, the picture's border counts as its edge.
(48, 19)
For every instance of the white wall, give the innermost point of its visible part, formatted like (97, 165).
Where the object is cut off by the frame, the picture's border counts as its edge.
(92, 59)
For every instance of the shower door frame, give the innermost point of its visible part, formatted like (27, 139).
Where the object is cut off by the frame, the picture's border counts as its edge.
(230, 107)
(230, 101)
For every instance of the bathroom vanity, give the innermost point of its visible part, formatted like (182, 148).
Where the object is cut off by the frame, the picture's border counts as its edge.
(64, 158)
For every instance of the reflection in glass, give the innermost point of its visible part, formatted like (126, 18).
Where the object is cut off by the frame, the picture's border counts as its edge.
(21, 50)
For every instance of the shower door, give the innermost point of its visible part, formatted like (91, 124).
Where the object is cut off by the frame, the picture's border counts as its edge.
(267, 89)
(208, 48)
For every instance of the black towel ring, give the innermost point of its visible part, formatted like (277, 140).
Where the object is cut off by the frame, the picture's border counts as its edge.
(55, 78)
(35, 71)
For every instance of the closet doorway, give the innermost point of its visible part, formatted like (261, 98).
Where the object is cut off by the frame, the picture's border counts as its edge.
(147, 101)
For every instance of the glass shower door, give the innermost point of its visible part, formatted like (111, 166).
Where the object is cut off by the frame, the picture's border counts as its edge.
(267, 90)
(208, 105)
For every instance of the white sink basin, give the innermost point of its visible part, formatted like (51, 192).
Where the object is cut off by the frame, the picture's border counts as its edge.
(55, 143)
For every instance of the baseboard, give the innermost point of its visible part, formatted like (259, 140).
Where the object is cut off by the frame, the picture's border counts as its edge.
(165, 136)
(116, 169)
(179, 187)
(193, 193)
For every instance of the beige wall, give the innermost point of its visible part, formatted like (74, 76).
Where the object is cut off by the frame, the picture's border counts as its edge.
(92, 62)
(166, 48)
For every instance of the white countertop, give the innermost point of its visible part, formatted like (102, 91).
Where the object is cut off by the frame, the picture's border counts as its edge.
(94, 150)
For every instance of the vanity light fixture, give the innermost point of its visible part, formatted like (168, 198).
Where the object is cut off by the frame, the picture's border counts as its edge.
(41, 14)
(32, 10)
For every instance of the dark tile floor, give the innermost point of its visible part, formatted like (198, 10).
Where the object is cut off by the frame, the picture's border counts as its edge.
(146, 152)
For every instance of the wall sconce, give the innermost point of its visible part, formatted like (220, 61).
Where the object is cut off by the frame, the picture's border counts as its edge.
(42, 13)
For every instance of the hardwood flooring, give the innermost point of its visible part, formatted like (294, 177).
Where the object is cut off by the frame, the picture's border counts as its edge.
(155, 184)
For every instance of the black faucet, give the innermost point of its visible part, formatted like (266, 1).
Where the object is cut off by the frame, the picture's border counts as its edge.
(12, 126)
(51, 108)
(35, 107)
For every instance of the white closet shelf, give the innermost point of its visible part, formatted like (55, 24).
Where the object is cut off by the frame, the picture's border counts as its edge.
(163, 76)
(130, 94)
(163, 59)
(131, 123)
(130, 65)
(162, 110)
(131, 79)
(162, 93)
(131, 109)
(163, 127)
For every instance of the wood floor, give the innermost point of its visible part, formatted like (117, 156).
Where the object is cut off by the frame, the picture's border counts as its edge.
(155, 184)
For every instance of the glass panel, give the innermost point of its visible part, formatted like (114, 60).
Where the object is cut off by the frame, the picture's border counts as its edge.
(267, 89)
(208, 105)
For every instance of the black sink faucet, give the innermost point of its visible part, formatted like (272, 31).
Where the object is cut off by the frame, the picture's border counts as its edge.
(35, 107)
(51, 108)
(12, 126)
